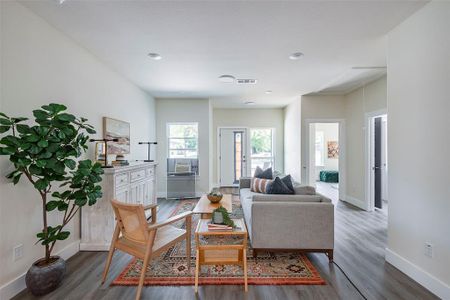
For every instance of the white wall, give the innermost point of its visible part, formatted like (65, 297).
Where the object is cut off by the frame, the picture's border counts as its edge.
(270, 117)
(418, 145)
(330, 133)
(40, 65)
(183, 110)
(370, 98)
(292, 139)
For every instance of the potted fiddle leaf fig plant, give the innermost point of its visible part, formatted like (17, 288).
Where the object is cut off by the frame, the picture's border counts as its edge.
(45, 153)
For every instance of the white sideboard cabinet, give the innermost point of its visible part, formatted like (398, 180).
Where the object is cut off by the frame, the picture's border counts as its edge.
(135, 183)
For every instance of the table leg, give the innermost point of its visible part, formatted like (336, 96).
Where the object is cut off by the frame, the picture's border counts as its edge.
(244, 254)
(197, 270)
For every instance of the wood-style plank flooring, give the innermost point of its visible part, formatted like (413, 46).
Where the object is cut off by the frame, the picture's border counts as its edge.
(360, 239)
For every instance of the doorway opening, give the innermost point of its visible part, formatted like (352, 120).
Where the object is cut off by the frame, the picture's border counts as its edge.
(377, 166)
(232, 155)
(241, 150)
(324, 158)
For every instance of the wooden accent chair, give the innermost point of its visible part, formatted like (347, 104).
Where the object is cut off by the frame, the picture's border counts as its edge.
(135, 236)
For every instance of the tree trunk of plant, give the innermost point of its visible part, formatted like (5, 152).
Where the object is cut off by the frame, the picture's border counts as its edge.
(44, 216)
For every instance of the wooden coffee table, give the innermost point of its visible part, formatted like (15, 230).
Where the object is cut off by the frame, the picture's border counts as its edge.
(205, 208)
(223, 254)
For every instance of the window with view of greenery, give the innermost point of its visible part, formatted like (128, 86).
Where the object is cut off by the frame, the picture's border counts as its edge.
(261, 145)
(182, 140)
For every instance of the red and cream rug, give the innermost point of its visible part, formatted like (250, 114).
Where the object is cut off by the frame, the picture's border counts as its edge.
(268, 269)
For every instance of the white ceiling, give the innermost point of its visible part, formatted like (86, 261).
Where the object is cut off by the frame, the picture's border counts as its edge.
(200, 41)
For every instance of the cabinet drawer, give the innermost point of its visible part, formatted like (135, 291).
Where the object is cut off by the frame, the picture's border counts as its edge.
(150, 172)
(137, 175)
(121, 179)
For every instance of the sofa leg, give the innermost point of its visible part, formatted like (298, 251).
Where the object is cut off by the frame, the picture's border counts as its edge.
(255, 253)
(330, 255)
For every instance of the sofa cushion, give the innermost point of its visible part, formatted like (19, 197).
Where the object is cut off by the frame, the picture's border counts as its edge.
(265, 174)
(279, 186)
(304, 190)
(286, 198)
(260, 185)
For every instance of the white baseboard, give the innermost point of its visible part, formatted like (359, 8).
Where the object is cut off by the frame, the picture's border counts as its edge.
(355, 201)
(424, 278)
(15, 286)
(95, 247)
(161, 195)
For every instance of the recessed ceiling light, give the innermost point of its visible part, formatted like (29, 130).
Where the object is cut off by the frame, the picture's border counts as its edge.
(249, 103)
(226, 79)
(268, 92)
(154, 56)
(296, 55)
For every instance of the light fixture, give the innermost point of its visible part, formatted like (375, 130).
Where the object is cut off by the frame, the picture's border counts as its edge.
(268, 92)
(154, 56)
(226, 79)
(249, 103)
(295, 56)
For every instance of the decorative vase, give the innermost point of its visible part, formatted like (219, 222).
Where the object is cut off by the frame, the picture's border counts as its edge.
(218, 218)
(43, 278)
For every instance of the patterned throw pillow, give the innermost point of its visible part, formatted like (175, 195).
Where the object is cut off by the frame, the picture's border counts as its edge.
(260, 185)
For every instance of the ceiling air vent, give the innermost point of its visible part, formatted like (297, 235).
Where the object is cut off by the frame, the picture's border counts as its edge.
(246, 81)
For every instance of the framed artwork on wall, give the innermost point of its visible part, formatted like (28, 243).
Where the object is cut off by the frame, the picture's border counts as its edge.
(333, 149)
(117, 129)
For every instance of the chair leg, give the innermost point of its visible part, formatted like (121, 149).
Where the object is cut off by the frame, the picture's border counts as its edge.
(108, 263)
(111, 252)
(188, 241)
(145, 263)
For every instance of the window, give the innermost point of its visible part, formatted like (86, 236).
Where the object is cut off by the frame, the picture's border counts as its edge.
(261, 147)
(182, 140)
(320, 149)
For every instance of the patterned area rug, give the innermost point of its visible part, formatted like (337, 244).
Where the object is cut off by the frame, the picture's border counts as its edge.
(170, 267)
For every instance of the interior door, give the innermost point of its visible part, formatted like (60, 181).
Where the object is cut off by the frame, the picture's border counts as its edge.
(378, 162)
(232, 156)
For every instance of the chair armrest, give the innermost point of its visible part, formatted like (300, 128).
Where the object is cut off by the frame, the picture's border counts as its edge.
(170, 220)
(152, 216)
(150, 206)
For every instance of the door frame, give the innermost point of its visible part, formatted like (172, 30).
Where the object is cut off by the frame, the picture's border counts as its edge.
(369, 153)
(342, 153)
(219, 141)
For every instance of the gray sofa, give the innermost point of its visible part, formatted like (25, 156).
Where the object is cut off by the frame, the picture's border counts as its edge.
(304, 221)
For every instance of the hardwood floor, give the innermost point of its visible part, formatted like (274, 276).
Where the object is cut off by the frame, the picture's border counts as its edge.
(360, 239)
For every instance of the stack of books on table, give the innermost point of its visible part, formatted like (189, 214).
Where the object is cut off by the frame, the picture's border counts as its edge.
(118, 163)
(219, 227)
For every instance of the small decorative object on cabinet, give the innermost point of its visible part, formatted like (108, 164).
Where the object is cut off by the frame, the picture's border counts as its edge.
(133, 184)
(148, 149)
(105, 141)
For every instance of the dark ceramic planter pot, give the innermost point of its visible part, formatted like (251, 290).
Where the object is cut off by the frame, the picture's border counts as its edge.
(42, 279)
